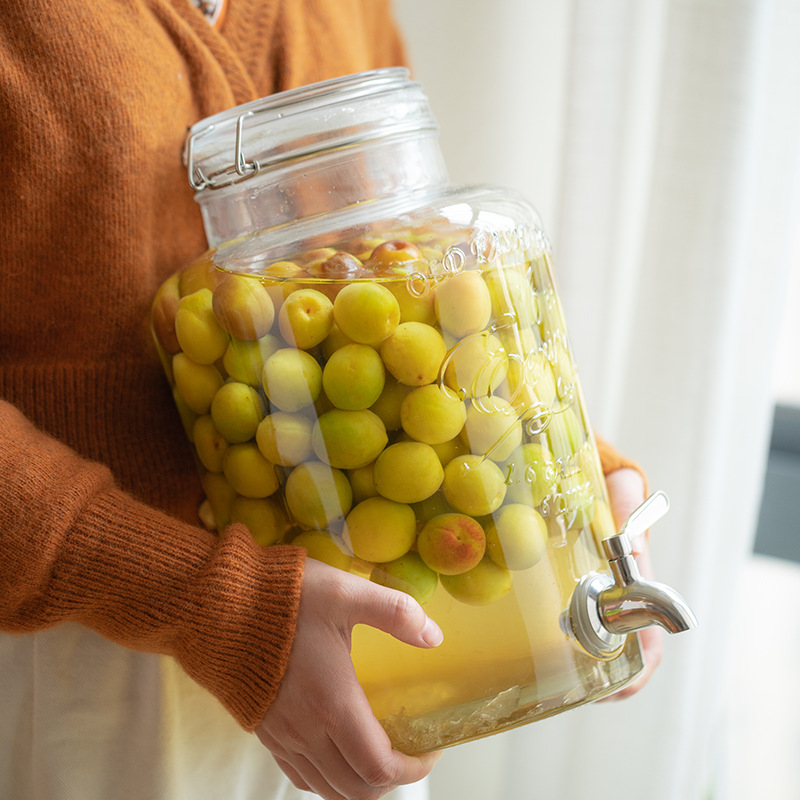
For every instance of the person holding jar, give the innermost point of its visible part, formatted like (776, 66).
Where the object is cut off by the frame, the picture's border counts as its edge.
(140, 652)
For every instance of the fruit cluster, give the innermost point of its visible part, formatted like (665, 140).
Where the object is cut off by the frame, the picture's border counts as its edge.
(383, 409)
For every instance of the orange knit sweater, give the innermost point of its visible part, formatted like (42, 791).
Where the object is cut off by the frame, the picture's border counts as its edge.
(98, 492)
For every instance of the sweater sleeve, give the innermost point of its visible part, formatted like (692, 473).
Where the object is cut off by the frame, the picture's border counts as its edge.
(611, 460)
(76, 548)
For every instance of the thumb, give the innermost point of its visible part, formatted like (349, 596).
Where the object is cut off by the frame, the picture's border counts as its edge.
(626, 490)
(395, 613)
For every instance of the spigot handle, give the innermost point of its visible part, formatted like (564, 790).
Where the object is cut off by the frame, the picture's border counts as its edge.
(646, 515)
(619, 549)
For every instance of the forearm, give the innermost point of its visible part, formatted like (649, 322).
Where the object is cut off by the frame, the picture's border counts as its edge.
(76, 548)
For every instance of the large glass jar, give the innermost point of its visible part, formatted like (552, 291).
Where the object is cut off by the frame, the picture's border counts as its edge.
(373, 364)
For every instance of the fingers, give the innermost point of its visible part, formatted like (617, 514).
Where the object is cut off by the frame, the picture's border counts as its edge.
(395, 613)
(346, 600)
(650, 640)
(321, 728)
(339, 781)
(625, 492)
(369, 752)
(350, 763)
(361, 740)
(292, 774)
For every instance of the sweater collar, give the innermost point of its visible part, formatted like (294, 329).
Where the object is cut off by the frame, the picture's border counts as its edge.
(213, 10)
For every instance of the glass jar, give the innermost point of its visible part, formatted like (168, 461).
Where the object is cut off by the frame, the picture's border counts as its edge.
(373, 364)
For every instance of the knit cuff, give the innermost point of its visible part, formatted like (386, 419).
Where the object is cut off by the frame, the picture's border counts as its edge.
(224, 607)
(611, 459)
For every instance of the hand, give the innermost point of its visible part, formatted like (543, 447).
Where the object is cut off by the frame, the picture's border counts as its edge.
(321, 728)
(626, 493)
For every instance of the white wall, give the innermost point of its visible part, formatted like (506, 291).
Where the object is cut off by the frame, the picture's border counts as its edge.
(786, 376)
(466, 55)
(673, 282)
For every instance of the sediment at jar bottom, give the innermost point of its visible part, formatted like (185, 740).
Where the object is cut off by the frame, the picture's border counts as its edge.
(500, 671)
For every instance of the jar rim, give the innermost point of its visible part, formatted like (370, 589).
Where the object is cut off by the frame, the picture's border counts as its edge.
(214, 151)
(353, 85)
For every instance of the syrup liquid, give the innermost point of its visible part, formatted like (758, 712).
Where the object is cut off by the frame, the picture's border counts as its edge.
(508, 661)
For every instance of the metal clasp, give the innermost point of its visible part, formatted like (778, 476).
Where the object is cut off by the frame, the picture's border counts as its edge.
(197, 180)
(242, 165)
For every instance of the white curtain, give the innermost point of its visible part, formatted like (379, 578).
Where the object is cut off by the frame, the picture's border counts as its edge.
(660, 141)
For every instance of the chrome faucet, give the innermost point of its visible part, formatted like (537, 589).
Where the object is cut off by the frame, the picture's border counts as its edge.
(603, 609)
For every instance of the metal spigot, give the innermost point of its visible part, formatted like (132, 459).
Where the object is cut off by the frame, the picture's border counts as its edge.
(603, 609)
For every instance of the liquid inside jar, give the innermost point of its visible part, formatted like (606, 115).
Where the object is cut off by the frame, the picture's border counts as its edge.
(403, 403)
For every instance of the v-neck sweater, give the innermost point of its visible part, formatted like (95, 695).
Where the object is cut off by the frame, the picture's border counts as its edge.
(98, 490)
